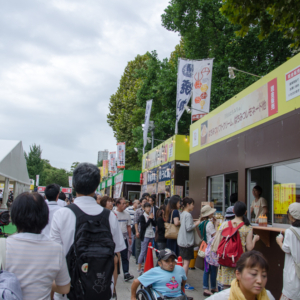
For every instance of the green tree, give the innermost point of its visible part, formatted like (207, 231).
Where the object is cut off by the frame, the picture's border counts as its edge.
(206, 33)
(35, 163)
(124, 114)
(74, 165)
(100, 163)
(268, 15)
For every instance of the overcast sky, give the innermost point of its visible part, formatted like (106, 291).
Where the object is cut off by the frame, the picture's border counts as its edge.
(60, 60)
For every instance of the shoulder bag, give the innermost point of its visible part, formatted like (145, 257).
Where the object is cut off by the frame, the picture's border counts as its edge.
(172, 230)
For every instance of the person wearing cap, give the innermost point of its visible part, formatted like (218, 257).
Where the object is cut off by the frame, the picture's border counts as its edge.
(167, 279)
(290, 246)
(208, 229)
(229, 214)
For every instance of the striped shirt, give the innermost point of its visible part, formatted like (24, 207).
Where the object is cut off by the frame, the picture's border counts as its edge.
(36, 261)
(130, 210)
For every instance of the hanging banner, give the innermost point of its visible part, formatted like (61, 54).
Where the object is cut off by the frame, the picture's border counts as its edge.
(105, 168)
(118, 189)
(184, 87)
(70, 181)
(120, 155)
(112, 162)
(201, 88)
(147, 119)
(37, 180)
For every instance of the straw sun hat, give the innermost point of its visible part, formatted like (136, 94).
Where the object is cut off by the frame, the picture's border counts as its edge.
(207, 211)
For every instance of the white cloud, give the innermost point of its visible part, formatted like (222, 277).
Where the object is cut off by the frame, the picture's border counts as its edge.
(60, 62)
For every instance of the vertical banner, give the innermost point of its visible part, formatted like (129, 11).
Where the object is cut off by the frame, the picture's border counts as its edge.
(121, 155)
(147, 119)
(70, 181)
(37, 180)
(184, 87)
(105, 168)
(201, 88)
(112, 162)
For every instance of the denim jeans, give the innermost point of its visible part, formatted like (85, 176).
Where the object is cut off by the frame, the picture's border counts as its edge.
(213, 271)
(144, 249)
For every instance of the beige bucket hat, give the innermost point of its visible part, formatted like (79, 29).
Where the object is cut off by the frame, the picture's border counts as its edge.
(207, 211)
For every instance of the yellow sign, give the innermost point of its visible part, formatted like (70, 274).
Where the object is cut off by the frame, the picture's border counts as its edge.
(174, 148)
(284, 195)
(168, 182)
(208, 131)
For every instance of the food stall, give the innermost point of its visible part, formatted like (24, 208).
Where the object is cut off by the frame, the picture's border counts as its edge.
(109, 186)
(165, 168)
(127, 185)
(252, 139)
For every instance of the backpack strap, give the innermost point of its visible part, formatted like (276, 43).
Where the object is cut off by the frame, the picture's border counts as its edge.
(295, 233)
(235, 228)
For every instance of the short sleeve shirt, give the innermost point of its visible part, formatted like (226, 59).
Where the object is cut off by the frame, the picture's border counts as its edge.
(210, 230)
(167, 283)
(258, 206)
(124, 220)
(175, 215)
(36, 261)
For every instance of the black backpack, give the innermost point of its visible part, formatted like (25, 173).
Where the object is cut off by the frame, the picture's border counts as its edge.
(90, 259)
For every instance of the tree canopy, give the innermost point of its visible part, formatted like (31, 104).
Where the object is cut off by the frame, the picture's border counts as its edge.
(267, 15)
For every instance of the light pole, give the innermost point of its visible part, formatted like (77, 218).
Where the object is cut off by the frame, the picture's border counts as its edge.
(232, 69)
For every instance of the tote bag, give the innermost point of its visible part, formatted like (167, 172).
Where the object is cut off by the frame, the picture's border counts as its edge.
(172, 230)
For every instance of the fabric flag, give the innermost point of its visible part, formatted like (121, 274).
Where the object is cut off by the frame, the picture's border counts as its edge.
(147, 119)
(184, 87)
(105, 168)
(70, 181)
(121, 155)
(37, 180)
(201, 88)
(112, 162)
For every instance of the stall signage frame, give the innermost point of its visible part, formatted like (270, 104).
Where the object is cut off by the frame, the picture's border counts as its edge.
(164, 172)
(152, 176)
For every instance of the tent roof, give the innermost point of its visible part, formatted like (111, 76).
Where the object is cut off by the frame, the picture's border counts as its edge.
(12, 162)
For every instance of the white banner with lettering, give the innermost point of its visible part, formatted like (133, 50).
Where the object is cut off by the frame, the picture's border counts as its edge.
(147, 119)
(121, 155)
(70, 181)
(37, 180)
(184, 87)
(118, 190)
(201, 88)
(112, 163)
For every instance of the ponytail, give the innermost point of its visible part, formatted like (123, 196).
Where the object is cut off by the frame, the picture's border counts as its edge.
(246, 221)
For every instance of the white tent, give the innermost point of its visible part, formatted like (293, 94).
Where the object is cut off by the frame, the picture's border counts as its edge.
(13, 168)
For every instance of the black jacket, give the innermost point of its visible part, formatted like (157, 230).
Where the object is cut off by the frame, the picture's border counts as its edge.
(160, 223)
(144, 225)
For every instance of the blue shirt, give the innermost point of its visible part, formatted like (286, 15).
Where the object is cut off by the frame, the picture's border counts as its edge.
(167, 283)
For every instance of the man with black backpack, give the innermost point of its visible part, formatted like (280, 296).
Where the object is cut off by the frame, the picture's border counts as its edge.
(90, 235)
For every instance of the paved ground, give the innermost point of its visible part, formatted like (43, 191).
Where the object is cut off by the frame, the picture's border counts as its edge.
(194, 278)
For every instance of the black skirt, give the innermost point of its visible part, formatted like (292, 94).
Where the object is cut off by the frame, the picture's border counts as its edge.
(186, 253)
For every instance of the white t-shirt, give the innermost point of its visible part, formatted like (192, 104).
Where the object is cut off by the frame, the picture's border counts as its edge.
(53, 207)
(36, 261)
(210, 230)
(291, 247)
(130, 210)
(124, 220)
(224, 295)
(1, 195)
(61, 203)
(64, 223)
(258, 206)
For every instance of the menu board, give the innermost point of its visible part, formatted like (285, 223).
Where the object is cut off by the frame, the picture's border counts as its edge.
(284, 195)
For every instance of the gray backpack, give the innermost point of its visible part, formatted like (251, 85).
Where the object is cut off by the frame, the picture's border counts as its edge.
(297, 266)
(10, 288)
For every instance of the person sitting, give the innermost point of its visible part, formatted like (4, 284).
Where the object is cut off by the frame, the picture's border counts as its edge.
(251, 278)
(167, 280)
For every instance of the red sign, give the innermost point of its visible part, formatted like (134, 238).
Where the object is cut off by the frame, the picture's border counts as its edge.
(66, 190)
(41, 189)
(272, 97)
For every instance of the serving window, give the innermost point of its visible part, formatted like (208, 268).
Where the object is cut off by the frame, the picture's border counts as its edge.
(221, 188)
(286, 189)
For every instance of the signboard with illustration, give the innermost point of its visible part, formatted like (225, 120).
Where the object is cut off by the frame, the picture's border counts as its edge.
(254, 107)
(164, 172)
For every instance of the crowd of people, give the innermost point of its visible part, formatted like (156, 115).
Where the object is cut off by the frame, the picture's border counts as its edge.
(76, 251)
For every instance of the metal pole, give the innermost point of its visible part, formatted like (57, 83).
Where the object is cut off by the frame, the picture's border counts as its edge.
(152, 142)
